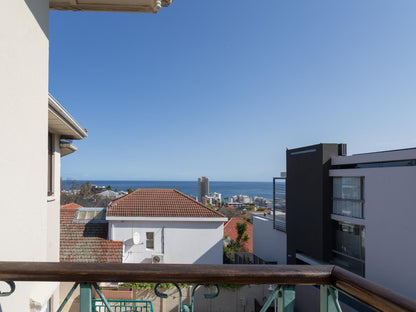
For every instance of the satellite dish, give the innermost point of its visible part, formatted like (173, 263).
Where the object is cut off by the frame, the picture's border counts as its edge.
(136, 238)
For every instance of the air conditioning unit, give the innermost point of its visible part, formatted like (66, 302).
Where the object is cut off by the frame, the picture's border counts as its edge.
(157, 258)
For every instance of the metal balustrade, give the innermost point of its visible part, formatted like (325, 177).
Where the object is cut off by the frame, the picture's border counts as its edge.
(331, 280)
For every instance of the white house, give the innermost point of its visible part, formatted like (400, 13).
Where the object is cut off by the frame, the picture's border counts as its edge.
(164, 225)
(30, 214)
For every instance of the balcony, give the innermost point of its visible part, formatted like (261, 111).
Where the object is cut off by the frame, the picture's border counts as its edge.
(330, 279)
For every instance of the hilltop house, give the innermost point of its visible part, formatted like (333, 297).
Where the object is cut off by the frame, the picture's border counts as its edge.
(165, 226)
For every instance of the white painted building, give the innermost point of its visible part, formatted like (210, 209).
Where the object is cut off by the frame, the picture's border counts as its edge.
(269, 244)
(213, 199)
(159, 225)
(375, 195)
(30, 217)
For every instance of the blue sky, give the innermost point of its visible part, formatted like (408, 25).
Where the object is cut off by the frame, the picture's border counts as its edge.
(222, 88)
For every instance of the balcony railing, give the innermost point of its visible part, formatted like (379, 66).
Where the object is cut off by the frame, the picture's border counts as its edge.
(331, 279)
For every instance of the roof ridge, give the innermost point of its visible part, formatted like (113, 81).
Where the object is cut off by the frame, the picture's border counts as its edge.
(206, 207)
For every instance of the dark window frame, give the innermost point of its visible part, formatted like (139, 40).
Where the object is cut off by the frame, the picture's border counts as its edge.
(51, 168)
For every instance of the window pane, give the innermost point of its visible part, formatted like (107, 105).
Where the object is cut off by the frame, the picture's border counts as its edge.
(348, 208)
(348, 239)
(347, 188)
(149, 240)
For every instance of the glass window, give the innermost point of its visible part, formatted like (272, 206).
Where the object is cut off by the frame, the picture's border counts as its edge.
(348, 196)
(150, 240)
(349, 246)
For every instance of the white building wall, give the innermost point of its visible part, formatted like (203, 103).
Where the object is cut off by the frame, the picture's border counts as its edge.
(390, 231)
(268, 243)
(53, 205)
(23, 126)
(179, 242)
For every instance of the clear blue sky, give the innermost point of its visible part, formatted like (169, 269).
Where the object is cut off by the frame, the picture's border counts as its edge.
(222, 87)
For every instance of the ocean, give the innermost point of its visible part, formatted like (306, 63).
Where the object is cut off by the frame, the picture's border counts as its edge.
(227, 189)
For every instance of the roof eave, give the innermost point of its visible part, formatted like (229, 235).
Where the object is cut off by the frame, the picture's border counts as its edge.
(140, 6)
(76, 131)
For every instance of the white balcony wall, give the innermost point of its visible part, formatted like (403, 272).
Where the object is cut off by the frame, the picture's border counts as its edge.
(178, 242)
(268, 243)
(24, 219)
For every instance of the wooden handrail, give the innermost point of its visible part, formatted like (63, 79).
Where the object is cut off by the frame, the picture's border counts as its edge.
(354, 285)
(374, 295)
(169, 273)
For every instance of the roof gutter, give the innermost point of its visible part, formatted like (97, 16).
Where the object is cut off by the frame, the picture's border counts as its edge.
(138, 6)
(166, 219)
(62, 113)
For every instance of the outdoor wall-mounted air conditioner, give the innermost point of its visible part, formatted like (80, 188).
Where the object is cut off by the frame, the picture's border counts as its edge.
(139, 6)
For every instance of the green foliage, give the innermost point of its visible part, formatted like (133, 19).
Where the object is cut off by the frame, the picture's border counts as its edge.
(129, 190)
(248, 220)
(109, 188)
(236, 245)
(150, 286)
(251, 207)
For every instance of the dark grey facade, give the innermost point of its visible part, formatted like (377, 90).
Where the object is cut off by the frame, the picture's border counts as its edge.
(308, 201)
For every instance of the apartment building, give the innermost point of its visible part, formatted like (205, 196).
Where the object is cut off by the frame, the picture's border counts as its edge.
(354, 211)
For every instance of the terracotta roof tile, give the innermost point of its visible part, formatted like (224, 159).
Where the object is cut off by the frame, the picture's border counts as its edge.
(70, 206)
(230, 230)
(160, 203)
(86, 242)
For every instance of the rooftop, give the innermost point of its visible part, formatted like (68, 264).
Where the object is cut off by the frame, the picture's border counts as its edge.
(86, 242)
(230, 230)
(159, 203)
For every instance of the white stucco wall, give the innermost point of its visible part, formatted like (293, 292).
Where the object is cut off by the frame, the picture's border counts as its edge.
(53, 205)
(268, 243)
(179, 242)
(390, 214)
(24, 51)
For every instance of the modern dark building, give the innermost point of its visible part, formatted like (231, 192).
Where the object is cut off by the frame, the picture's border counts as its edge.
(354, 211)
(308, 201)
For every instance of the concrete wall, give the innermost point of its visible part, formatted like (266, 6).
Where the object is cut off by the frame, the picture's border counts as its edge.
(179, 242)
(390, 231)
(268, 243)
(24, 51)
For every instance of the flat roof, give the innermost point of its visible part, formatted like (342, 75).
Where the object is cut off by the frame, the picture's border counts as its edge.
(382, 156)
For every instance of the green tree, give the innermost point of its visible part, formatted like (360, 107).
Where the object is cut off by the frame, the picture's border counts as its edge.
(109, 188)
(242, 238)
(129, 190)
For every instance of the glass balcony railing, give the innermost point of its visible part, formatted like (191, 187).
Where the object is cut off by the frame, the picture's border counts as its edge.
(330, 281)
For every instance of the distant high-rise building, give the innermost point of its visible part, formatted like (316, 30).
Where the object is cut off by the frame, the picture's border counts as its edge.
(203, 188)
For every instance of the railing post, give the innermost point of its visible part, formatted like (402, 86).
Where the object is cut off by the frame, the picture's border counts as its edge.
(286, 299)
(329, 299)
(85, 303)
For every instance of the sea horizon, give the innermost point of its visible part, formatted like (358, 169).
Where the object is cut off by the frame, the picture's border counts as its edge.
(188, 187)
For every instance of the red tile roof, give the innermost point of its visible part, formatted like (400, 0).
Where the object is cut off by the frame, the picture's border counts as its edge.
(86, 242)
(70, 206)
(159, 203)
(230, 230)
